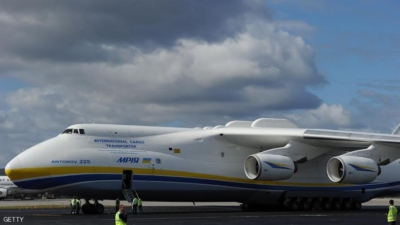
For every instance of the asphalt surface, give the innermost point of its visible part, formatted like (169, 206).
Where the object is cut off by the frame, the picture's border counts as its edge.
(193, 215)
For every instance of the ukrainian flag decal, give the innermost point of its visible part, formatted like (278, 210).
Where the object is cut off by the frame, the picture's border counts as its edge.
(278, 165)
(362, 168)
(146, 160)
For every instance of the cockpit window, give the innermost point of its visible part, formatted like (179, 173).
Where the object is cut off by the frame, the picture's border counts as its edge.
(75, 131)
(67, 131)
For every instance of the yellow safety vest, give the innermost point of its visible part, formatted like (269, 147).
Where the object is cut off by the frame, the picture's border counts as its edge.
(392, 215)
(140, 201)
(118, 220)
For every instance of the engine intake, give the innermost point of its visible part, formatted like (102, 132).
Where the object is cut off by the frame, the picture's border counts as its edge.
(269, 167)
(352, 169)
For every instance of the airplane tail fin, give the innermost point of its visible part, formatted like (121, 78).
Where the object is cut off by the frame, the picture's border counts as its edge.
(397, 130)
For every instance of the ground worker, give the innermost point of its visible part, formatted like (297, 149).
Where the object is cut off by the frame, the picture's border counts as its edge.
(78, 206)
(134, 206)
(120, 217)
(70, 204)
(140, 206)
(392, 213)
(73, 205)
(117, 205)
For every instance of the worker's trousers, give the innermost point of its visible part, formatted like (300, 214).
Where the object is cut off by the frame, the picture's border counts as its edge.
(134, 209)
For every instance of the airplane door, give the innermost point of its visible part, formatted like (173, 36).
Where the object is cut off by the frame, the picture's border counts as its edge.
(157, 166)
(127, 179)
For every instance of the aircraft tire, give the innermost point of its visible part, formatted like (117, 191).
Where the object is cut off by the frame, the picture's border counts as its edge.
(252, 207)
(249, 207)
(316, 205)
(337, 205)
(99, 209)
(305, 205)
(294, 206)
(357, 205)
(347, 205)
(244, 207)
(326, 205)
(89, 209)
(84, 209)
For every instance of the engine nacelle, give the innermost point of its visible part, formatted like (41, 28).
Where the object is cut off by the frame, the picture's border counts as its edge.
(352, 169)
(3, 192)
(269, 167)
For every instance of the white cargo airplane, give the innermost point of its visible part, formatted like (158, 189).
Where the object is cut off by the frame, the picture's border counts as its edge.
(8, 188)
(268, 161)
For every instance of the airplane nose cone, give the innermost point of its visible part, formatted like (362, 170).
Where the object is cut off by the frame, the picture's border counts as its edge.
(14, 169)
(26, 174)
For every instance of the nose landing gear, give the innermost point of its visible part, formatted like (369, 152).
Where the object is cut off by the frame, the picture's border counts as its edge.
(89, 208)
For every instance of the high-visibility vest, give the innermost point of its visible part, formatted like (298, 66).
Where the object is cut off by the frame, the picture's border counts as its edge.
(392, 215)
(140, 201)
(73, 202)
(118, 220)
(135, 201)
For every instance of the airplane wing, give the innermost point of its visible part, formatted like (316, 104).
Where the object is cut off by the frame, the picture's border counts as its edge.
(362, 138)
(280, 146)
(262, 138)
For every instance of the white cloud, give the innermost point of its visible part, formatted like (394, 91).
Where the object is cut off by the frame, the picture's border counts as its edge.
(299, 27)
(262, 64)
(262, 69)
(325, 116)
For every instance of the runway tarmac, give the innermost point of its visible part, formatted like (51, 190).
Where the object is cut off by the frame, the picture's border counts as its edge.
(205, 213)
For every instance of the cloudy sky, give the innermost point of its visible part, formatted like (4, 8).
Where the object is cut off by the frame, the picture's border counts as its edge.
(321, 64)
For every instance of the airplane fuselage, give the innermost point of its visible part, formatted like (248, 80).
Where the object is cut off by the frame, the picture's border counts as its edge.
(181, 165)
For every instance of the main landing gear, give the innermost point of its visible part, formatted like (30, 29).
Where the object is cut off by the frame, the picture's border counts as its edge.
(89, 208)
(310, 204)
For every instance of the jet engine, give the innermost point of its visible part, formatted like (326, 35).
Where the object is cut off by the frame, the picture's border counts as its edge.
(352, 169)
(3, 193)
(269, 167)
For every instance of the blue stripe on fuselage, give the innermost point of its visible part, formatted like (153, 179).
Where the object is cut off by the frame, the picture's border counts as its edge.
(44, 183)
